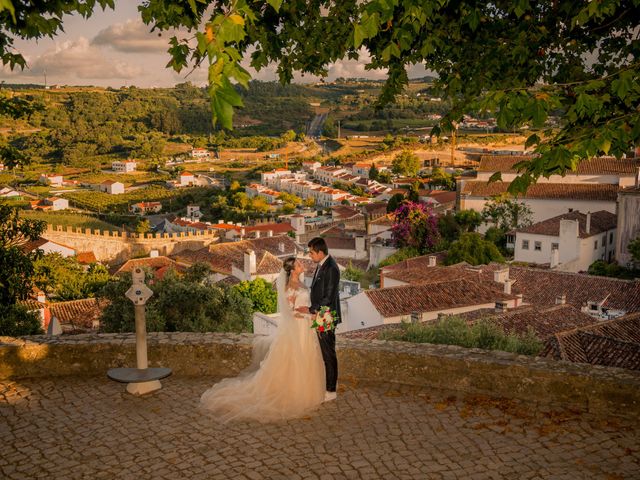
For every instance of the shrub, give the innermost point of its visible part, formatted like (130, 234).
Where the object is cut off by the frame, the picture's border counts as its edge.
(485, 334)
(16, 321)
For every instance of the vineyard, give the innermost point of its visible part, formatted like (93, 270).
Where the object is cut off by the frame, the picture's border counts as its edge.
(67, 219)
(104, 202)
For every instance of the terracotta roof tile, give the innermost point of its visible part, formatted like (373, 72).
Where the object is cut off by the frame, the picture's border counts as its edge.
(615, 343)
(340, 243)
(81, 315)
(601, 221)
(596, 166)
(153, 263)
(403, 300)
(86, 257)
(576, 191)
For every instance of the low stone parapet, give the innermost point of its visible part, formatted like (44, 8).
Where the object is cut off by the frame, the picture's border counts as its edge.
(599, 390)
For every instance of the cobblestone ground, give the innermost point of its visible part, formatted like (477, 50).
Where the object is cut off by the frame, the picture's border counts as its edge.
(72, 428)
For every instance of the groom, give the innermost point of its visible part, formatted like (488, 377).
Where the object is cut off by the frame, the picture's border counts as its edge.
(324, 292)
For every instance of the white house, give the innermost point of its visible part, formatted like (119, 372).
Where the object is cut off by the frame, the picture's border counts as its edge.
(143, 208)
(310, 165)
(47, 246)
(200, 153)
(569, 242)
(269, 178)
(53, 179)
(186, 179)
(57, 203)
(592, 187)
(602, 170)
(124, 167)
(361, 169)
(111, 187)
(7, 192)
(327, 175)
(546, 200)
(193, 212)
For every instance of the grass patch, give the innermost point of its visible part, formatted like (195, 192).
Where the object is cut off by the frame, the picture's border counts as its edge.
(104, 202)
(67, 219)
(484, 334)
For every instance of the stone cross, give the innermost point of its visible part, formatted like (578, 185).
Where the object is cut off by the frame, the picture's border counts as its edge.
(141, 379)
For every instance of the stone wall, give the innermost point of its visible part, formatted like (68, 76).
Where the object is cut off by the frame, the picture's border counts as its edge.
(599, 390)
(118, 247)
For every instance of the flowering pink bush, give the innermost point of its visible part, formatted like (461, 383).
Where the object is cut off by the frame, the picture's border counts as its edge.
(415, 225)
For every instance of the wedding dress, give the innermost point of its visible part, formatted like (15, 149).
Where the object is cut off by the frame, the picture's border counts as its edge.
(286, 379)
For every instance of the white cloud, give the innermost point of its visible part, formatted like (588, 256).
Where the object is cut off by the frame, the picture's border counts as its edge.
(77, 59)
(132, 36)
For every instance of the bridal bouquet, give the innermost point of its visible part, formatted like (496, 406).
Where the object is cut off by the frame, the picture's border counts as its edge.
(324, 321)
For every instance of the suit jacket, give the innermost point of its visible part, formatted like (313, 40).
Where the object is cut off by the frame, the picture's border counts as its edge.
(324, 289)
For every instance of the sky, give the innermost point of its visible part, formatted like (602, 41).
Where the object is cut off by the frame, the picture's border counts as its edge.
(113, 48)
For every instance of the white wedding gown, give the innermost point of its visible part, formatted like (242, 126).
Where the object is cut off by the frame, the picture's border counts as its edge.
(287, 377)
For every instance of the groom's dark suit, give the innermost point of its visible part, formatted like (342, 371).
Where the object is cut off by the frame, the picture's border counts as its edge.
(324, 292)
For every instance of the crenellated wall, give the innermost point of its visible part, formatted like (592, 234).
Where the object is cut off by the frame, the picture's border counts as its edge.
(118, 247)
(598, 390)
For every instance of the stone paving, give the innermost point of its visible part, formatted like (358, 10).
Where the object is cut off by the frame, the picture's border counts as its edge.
(75, 428)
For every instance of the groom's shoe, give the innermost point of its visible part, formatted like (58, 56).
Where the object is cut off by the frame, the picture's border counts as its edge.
(328, 396)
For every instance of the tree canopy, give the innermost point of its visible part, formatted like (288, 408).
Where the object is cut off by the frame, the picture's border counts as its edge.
(521, 60)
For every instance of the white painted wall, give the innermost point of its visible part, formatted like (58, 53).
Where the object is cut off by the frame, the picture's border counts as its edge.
(543, 209)
(622, 180)
(574, 254)
(52, 247)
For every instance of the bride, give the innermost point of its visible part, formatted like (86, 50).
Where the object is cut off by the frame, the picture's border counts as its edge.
(287, 377)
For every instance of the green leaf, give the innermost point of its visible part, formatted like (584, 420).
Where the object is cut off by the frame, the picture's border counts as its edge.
(7, 5)
(276, 4)
(496, 177)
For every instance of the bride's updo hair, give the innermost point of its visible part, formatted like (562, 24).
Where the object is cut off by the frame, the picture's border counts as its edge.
(288, 265)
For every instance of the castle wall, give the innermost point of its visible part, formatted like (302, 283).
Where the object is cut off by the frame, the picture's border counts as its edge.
(118, 247)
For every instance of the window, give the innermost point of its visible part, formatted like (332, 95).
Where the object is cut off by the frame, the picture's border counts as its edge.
(611, 237)
(604, 240)
(555, 246)
(595, 245)
(525, 244)
(537, 246)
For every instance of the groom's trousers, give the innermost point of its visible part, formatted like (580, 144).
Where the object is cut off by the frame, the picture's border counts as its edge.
(328, 348)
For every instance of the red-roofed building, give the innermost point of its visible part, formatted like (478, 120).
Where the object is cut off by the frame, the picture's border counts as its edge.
(144, 208)
(569, 242)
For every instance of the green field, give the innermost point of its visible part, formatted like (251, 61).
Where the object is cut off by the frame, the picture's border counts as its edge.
(104, 202)
(69, 220)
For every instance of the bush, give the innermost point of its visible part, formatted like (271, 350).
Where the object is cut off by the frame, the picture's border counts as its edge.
(484, 334)
(178, 305)
(260, 293)
(604, 269)
(16, 320)
(474, 250)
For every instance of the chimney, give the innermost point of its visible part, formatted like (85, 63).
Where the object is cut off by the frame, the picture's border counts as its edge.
(519, 299)
(153, 253)
(41, 296)
(360, 245)
(507, 286)
(281, 247)
(501, 276)
(432, 260)
(220, 222)
(561, 299)
(588, 227)
(249, 264)
(257, 233)
(269, 233)
(501, 307)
